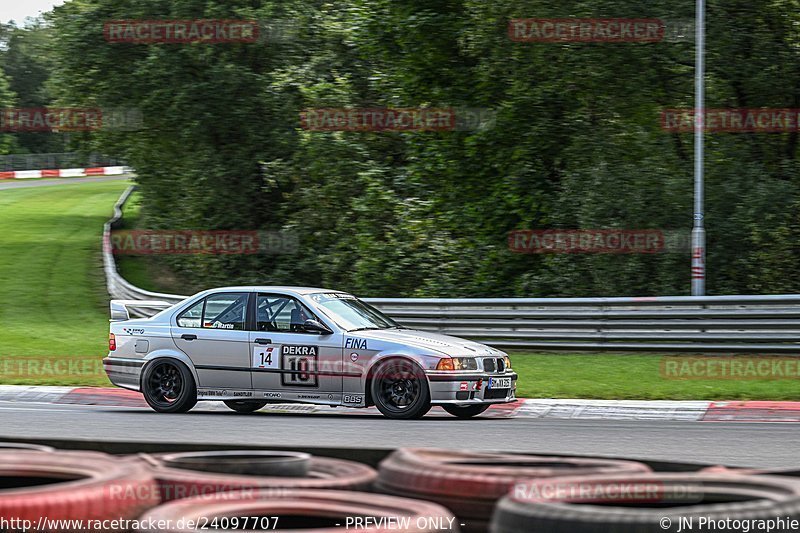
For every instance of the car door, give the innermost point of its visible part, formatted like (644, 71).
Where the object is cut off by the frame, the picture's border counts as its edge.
(289, 362)
(213, 333)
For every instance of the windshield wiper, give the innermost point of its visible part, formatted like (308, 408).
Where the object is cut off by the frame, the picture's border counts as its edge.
(362, 329)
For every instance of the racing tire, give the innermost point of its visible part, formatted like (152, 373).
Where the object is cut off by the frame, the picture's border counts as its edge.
(789, 471)
(250, 463)
(322, 473)
(168, 386)
(465, 411)
(244, 406)
(7, 446)
(470, 483)
(320, 511)
(670, 499)
(71, 486)
(400, 390)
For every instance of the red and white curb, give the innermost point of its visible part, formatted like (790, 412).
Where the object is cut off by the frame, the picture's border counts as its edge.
(64, 173)
(692, 411)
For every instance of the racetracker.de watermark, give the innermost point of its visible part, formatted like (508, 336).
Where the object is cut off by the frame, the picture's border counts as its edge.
(599, 30)
(168, 491)
(203, 31)
(607, 491)
(386, 119)
(69, 119)
(741, 120)
(215, 242)
(737, 367)
(48, 366)
(597, 241)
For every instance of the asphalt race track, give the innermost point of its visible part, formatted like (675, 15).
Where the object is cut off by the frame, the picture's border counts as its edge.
(739, 444)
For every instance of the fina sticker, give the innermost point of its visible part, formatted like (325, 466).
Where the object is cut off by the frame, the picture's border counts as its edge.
(356, 344)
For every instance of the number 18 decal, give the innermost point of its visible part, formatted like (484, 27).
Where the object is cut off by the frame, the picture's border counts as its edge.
(301, 363)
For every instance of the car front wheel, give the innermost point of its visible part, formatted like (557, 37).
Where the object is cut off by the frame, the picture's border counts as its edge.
(465, 411)
(400, 390)
(168, 387)
(244, 406)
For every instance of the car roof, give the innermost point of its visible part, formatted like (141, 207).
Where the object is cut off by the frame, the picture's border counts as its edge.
(274, 288)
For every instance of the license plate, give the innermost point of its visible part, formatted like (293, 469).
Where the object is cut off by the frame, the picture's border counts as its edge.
(500, 383)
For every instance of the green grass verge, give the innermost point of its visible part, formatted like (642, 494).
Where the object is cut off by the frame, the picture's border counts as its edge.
(631, 376)
(53, 305)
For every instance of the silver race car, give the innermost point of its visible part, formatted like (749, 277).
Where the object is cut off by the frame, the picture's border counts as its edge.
(249, 346)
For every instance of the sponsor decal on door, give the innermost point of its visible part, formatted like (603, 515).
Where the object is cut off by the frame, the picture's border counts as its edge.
(299, 364)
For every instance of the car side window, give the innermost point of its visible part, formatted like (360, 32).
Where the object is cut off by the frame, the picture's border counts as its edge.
(218, 311)
(192, 317)
(280, 313)
(225, 311)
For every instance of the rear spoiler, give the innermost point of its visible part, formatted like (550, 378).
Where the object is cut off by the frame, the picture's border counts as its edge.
(119, 308)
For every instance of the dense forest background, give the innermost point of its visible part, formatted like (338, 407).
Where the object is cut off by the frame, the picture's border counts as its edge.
(576, 142)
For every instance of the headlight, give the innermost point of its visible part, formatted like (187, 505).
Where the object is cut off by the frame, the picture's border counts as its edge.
(508, 362)
(457, 363)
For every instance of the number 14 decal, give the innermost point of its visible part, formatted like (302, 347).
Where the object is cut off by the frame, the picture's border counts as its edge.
(266, 356)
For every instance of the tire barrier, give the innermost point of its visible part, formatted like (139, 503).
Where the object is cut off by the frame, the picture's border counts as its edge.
(470, 483)
(185, 475)
(320, 511)
(654, 502)
(72, 485)
(428, 490)
(5, 446)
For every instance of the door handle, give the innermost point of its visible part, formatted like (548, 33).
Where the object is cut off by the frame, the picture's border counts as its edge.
(263, 341)
(188, 337)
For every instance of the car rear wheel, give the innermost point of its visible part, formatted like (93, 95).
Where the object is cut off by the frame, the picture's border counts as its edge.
(465, 411)
(168, 387)
(400, 390)
(244, 406)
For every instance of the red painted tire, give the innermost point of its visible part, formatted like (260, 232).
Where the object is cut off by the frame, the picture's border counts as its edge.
(322, 473)
(309, 510)
(470, 483)
(645, 502)
(73, 485)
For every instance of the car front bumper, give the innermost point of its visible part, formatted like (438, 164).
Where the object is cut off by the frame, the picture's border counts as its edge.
(470, 388)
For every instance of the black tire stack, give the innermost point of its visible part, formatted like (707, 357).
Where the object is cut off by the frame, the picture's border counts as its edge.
(471, 483)
(677, 502)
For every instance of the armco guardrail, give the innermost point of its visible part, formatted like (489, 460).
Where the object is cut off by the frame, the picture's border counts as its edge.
(728, 324)
(117, 286)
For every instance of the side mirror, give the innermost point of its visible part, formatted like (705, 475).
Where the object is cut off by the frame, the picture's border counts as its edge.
(314, 326)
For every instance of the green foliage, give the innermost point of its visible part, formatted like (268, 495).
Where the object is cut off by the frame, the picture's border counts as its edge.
(577, 142)
(26, 61)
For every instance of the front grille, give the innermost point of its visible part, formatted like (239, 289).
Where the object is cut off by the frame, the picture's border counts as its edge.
(501, 365)
(489, 365)
(494, 394)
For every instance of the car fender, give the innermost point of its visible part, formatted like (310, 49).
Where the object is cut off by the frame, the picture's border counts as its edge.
(170, 354)
(424, 362)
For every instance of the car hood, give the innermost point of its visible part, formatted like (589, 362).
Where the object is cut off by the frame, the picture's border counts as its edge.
(426, 340)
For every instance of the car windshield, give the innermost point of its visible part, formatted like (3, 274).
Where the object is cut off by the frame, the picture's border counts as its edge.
(350, 313)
